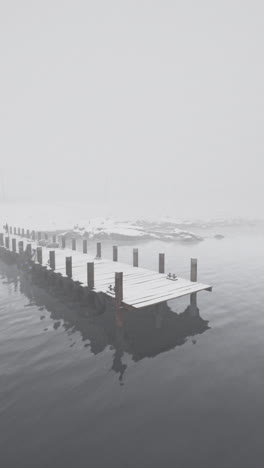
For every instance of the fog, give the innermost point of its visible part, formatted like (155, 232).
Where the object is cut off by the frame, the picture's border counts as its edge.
(133, 107)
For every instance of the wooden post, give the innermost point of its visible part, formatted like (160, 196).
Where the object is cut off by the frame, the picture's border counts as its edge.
(1, 239)
(54, 239)
(73, 244)
(118, 289)
(7, 242)
(115, 253)
(14, 245)
(85, 246)
(63, 242)
(33, 235)
(28, 234)
(135, 257)
(21, 247)
(69, 266)
(194, 269)
(161, 263)
(23, 232)
(18, 231)
(90, 275)
(14, 231)
(39, 235)
(98, 250)
(52, 260)
(29, 250)
(39, 255)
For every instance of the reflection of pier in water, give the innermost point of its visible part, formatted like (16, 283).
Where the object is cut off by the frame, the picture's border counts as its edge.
(139, 333)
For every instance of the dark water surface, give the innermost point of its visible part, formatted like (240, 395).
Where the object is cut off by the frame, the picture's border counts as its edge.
(164, 390)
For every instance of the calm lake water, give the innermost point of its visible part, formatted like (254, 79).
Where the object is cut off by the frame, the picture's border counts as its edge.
(162, 391)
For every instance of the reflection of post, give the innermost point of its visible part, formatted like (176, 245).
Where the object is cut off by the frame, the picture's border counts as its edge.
(119, 298)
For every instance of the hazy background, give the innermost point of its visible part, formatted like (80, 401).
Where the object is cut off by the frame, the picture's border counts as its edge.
(135, 107)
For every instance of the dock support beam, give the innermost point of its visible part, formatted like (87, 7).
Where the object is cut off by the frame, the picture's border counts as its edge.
(98, 250)
(119, 289)
(39, 255)
(115, 253)
(68, 265)
(14, 245)
(52, 260)
(135, 257)
(85, 246)
(90, 275)
(161, 263)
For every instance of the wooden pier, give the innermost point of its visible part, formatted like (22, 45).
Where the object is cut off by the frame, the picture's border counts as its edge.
(128, 285)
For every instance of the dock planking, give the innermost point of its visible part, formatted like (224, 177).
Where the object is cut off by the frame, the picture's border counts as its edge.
(141, 287)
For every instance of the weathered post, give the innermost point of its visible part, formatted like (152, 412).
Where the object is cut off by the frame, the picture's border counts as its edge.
(193, 298)
(23, 232)
(118, 289)
(7, 242)
(85, 246)
(20, 247)
(135, 257)
(39, 255)
(98, 250)
(52, 260)
(90, 275)
(1, 239)
(115, 253)
(161, 263)
(33, 234)
(29, 250)
(194, 269)
(73, 244)
(63, 242)
(68, 266)
(14, 245)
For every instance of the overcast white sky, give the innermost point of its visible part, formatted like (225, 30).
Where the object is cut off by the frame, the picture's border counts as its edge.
(140, 107)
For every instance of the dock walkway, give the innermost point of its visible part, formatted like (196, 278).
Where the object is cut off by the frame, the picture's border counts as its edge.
(140, 287)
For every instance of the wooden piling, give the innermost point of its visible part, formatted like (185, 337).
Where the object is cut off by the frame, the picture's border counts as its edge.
(52, 260)
(98, 250)
(90, 275)
(193, 269)
(135, 257)
(39, 255)
(161, 263)
(14, 245)
(115, 253)
(20, 247)
(29, 250)
(68, 265)
(73, 244)
(1, 239)
(7, 243)
(85, 246)
(119, 289)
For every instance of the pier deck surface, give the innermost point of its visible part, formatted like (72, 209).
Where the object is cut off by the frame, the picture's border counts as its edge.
(141, 287)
